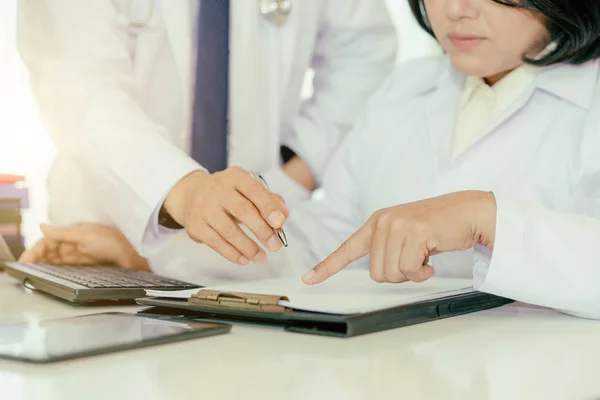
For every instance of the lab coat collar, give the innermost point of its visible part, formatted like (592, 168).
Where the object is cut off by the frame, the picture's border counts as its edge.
(574, 83)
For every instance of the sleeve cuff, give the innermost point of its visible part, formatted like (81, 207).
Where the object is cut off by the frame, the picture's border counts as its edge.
(483, 257)
(496, 272)
(155, 235)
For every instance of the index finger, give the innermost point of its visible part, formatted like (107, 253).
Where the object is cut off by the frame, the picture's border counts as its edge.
(356, 247)
(269, 205)
(28, 256)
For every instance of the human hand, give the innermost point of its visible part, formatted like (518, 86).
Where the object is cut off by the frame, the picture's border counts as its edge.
(84, 244)
(401, 239)
(210, 206)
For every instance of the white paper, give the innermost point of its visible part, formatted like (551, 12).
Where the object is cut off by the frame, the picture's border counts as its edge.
(172, 294)
(349, 292)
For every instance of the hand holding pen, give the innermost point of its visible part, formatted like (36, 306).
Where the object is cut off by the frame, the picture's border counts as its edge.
(279, 232)
(210, 207)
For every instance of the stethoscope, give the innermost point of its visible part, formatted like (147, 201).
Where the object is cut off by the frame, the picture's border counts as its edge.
(276, 11)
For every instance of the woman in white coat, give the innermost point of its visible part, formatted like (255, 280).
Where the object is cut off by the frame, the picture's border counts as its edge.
(144, 97)
(484, 163)
(488, 155)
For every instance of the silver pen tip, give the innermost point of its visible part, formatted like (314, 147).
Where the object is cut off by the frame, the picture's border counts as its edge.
(282, 237)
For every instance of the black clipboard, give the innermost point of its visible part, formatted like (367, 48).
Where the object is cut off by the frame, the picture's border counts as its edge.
(243, 308)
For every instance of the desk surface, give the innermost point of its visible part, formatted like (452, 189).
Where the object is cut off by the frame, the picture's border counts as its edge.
(514, 352)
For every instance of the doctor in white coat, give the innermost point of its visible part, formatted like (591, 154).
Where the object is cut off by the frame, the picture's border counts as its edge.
(483, 162)
(120, 90)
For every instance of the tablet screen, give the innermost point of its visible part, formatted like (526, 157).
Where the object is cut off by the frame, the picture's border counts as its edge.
(65, 338)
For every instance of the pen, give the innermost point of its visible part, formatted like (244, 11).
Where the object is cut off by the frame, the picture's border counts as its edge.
(279, 232)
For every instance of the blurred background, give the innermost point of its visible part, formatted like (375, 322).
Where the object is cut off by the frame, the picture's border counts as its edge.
(26, 150)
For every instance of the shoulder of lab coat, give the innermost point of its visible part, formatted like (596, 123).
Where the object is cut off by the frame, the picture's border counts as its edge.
(413, 79)
(355, 50)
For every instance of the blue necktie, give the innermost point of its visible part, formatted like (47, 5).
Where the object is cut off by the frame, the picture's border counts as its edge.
(209, 129)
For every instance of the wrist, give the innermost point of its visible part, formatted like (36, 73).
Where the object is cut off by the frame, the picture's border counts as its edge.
(297, 169)
(175, 203)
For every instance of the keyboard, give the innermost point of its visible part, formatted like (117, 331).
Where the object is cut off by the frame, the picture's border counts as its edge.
(100, 277)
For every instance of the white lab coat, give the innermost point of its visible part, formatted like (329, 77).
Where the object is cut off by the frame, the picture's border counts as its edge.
(540, 159)
(117, 100)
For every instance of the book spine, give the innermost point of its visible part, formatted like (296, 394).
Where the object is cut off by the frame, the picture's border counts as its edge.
(10, 195)
(14, 197)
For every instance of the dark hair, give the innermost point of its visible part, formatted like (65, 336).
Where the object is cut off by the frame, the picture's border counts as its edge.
(573, 25)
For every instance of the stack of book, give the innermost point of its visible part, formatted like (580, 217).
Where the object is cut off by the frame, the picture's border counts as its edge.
(13, 199)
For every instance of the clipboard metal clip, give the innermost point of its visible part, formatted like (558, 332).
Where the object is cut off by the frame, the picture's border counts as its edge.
(239, 301)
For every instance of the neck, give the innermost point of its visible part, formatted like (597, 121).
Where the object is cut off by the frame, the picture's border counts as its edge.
(493, 79)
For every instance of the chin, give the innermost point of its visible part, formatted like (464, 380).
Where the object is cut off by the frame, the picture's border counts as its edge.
(470, 65)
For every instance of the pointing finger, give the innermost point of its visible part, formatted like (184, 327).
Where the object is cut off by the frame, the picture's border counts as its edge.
(356, 247)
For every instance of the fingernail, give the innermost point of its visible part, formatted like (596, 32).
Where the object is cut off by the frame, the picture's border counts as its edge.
(260, 258)
(243, 260)
(274, 244)
(309, 276)
(276, 219)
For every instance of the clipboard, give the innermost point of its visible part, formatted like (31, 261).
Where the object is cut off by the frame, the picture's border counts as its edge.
(232, 307)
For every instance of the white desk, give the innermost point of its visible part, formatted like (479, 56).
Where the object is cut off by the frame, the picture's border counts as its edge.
(514, 352)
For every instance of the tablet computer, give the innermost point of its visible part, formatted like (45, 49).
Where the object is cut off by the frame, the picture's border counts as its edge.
(76, 337)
